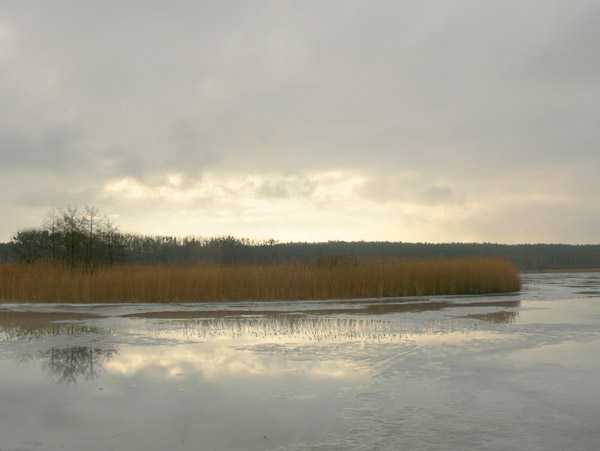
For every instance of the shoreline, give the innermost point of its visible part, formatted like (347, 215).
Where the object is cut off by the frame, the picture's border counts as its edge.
(559, 271)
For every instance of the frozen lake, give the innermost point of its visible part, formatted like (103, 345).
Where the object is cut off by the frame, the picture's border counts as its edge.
(505, 372)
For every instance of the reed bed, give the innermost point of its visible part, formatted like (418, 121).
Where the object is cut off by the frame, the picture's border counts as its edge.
(345, 279)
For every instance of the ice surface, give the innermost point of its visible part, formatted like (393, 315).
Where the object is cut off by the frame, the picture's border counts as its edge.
(516, 371)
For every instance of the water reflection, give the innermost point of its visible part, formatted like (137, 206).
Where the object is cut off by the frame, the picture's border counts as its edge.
(63, 364)
(217, 363)
(225, 343)
(309, 375)
(280, 328)
(16, 325)
(502, 317)
(76, 363)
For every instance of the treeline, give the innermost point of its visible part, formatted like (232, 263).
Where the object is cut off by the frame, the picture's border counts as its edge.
(77, 237)
(86, 238)
(230, 250)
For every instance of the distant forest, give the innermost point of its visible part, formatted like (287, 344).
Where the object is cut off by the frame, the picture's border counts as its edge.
(84, 238)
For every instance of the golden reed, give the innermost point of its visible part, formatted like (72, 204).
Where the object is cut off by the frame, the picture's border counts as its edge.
(343, 279)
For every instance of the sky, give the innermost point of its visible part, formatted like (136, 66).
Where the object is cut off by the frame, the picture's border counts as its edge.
(431, 121)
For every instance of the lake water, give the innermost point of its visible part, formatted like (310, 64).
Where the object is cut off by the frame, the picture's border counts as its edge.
(506, 372)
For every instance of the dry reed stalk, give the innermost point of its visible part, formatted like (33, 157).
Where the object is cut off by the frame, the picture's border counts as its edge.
(378, 277)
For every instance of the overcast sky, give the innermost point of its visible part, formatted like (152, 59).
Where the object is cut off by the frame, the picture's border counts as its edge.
(305, 120)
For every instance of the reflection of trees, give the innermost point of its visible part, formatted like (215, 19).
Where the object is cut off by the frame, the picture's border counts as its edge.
(68, 365)
(65, 364)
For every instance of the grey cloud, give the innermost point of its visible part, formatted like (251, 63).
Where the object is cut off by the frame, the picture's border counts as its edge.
(408, 189)
(182, 153)
(296, 186)
(436, 195)
(310, 84)
(385, 188)
(449, 91)
(537, 222)
(566, 53)
(190, 153)
(273, 190)
(51, 149)
(54, 194)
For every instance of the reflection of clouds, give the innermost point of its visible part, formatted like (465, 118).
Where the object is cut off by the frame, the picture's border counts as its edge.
(227, 346)
(221, 361)
(243, 346)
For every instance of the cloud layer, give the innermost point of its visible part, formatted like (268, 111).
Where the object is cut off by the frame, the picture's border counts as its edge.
(429, 121)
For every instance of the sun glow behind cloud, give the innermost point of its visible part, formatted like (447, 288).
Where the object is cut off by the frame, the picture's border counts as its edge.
(346, 205)
(330, 205)
(263, 206)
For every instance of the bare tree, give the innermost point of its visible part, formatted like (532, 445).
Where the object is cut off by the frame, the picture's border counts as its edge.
(110, 239)
(92, 224)
(71, 227)
(51, 224)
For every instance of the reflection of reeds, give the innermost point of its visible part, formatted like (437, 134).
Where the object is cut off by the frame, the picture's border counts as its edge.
(44, 282)
(17, 325)
(283, 327)
(502, 317)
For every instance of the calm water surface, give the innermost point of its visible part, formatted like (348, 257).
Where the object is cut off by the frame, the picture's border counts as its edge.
(441, 373)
